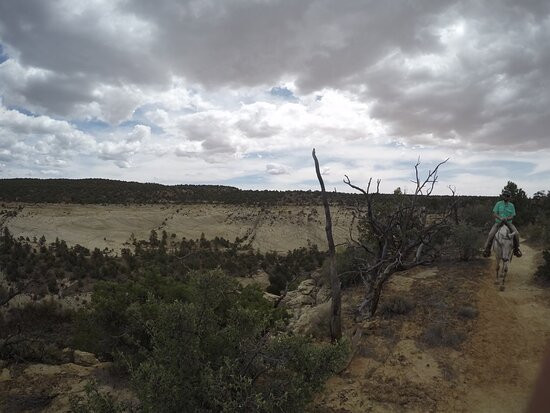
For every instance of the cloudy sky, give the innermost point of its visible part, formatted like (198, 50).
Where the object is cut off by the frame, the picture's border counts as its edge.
(238, 92)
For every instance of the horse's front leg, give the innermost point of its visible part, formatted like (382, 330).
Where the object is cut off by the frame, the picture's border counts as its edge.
(504, 273)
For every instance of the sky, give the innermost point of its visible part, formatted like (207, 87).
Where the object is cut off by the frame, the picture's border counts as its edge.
(238, 92)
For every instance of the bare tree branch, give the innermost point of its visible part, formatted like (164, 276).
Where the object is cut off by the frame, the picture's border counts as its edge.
(402, 237)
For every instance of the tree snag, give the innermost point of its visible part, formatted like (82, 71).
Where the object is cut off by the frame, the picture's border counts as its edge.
(335, 287)
(395, 238)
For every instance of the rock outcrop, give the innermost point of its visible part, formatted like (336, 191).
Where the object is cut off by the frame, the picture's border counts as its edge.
(83, 358)
(49, 387)
(309, 306)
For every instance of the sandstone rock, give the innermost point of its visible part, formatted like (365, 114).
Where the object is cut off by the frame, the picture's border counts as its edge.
(323, 294)
(84, 358)
(261, 278)
(307, 287)
(314, 320)
(295, 299)
(272, 298)
(51, 370)
(42, 370)
(67, 355)
(317, 276)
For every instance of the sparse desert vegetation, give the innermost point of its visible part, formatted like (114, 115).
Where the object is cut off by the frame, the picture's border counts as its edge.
(117, 320)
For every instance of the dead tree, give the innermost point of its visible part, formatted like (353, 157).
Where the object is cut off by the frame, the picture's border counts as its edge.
(396, 239)
(335, 287)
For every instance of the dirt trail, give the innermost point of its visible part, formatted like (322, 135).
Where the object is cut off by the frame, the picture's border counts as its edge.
(504, 353)
(393, 369)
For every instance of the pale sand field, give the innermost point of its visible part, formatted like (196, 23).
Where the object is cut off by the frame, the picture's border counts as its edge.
(279, 228)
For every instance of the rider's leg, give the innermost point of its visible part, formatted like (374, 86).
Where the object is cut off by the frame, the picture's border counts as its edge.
(489, 241)
(517, 251)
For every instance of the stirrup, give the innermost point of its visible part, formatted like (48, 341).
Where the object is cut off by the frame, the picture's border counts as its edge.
(517, 252)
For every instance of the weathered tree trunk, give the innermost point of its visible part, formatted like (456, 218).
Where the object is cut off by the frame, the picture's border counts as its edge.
(335, 314)
(371, 298)
(375, 298)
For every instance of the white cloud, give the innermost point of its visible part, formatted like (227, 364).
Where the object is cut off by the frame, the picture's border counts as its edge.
(43, 133)
(370, 84)
(139, 133)
(122, 149)
(277, 169)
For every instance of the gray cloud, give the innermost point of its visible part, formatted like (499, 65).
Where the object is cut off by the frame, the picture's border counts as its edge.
(321, 43)
(76, 39)
(456, 73)
(493, 90)
(122, 149)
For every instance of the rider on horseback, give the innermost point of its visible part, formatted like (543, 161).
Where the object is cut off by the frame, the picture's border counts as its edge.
(504, 211)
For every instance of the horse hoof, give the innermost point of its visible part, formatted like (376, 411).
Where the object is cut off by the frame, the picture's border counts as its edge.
(502, 288)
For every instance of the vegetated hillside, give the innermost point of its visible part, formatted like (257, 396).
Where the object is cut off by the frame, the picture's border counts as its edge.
(220, 326)
(98, 191)
(105, 191)
(105, 213)
(433, 346)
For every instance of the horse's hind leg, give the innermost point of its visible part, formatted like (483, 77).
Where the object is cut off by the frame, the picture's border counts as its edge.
(497, 273)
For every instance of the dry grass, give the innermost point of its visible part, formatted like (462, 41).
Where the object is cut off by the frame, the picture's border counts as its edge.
(280, 228)
(440, 334)
(395, 306)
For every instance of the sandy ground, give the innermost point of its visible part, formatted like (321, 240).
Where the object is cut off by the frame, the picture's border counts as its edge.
(512, 335)
(493, 370)
(280, 228)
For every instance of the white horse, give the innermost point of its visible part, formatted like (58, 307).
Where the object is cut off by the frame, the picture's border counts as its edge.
(503, 246)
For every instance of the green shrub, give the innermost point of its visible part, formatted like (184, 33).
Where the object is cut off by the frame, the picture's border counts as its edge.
(467, 240)
(478, 215)
(347, 260)
(539, 231)
(220, 357)
(96, 401)
(52, 285)
(206, 344)
(35, 332)
(109, 326)
(543, 271)
(283, 269)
